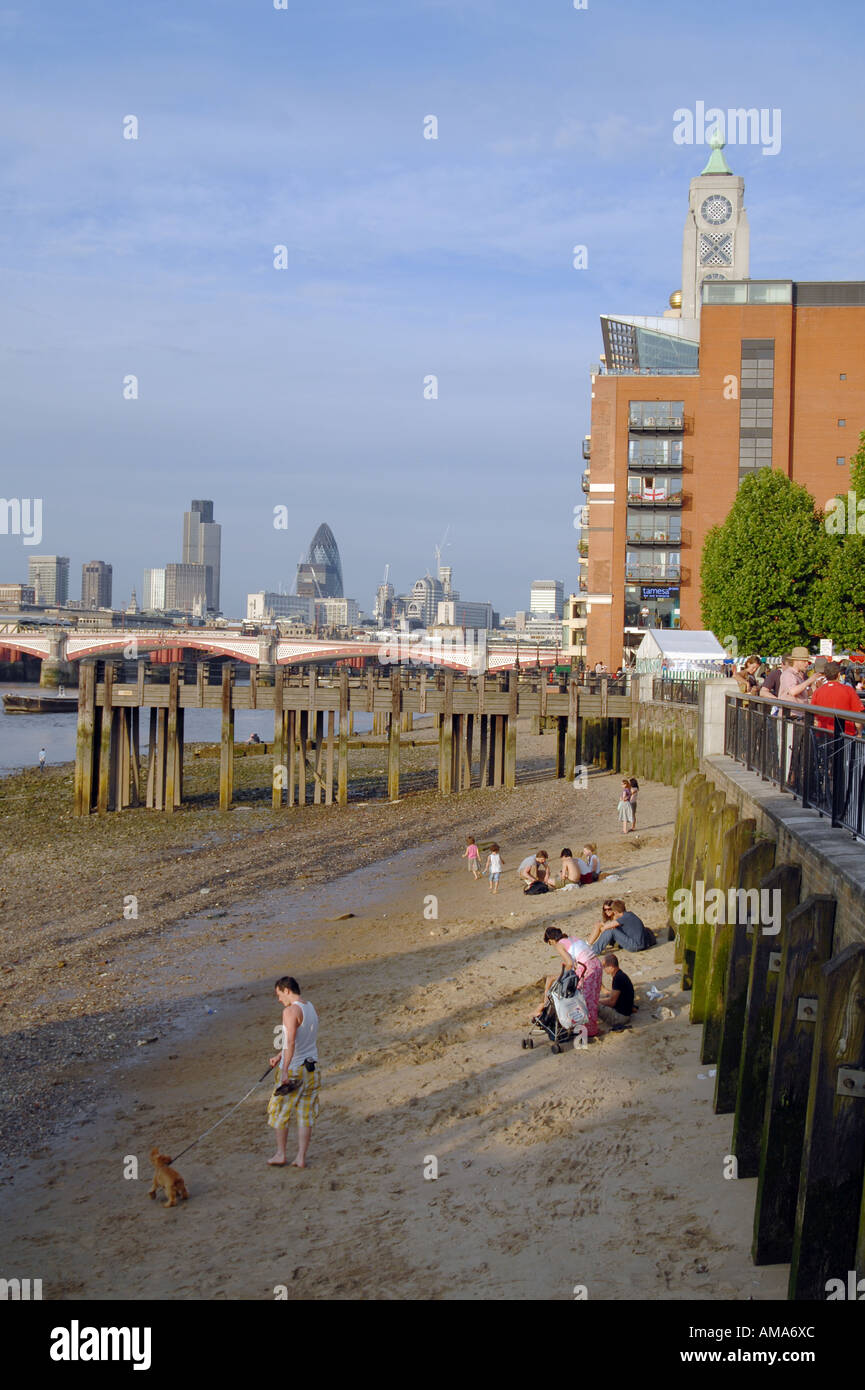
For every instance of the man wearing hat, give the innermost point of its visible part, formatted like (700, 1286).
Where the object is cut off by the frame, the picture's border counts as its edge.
(796, 685)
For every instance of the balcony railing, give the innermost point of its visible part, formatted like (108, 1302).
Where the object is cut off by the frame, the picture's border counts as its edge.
(655, 463)
(587, 448)
(637, 499)
(584, 481)
(667, 574)
(655, 423)
(659, 537)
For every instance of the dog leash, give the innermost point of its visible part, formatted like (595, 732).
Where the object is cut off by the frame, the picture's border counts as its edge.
(224, 1117)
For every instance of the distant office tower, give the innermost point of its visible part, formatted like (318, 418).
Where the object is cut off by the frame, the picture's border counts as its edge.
(186, 589)
(462, 613)
(336, 612)
(153, 592)
(49, 575)
(264, 606)
(384, 597)
(548, 597)
(320, 574)
(14, 596)
(202, 542)
(96, 584)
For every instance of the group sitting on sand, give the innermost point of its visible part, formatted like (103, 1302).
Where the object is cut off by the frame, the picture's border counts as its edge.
(535, 872)
(612, 1002)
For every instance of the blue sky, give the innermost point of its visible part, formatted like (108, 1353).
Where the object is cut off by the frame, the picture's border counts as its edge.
(406, 257)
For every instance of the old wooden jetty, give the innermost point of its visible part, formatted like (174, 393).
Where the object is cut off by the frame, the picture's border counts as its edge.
(475, 717)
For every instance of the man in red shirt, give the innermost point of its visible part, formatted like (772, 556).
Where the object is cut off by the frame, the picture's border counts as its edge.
(836, 695)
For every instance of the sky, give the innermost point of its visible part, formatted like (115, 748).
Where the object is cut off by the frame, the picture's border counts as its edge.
(405, 258)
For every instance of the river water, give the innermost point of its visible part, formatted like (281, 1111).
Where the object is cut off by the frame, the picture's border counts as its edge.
(22, 735)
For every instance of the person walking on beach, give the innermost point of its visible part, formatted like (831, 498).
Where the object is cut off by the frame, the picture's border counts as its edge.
(494, 866)
(42, 759)
(471, 854)
(626, 814)
(298, 1079)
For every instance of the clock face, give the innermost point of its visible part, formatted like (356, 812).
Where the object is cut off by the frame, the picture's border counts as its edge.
(716, 209)
(716, 250)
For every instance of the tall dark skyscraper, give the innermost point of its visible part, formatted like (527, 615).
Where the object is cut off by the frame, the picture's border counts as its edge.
(96, 584)
(202, 544)
(320, 574)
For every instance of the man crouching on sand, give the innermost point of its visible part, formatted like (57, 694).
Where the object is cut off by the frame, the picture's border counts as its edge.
(297, 1076)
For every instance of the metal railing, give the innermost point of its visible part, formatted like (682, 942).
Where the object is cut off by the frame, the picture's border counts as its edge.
(824, 768)
(677, 690)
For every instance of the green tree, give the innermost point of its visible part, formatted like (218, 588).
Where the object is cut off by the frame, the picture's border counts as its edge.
(761, 568)
(839, 602)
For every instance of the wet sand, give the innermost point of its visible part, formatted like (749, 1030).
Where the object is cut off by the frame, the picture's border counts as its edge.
(601, 1167)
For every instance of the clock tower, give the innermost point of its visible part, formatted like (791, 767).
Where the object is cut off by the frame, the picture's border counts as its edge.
(716, 241)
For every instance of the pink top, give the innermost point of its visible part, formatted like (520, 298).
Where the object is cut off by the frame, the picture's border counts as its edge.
(472, 852)
(579, 951)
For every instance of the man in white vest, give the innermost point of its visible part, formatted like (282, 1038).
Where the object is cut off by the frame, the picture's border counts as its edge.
(298, 1079)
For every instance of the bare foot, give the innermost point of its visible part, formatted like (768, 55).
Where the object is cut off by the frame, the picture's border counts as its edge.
(296, 1164)
(276, 1162)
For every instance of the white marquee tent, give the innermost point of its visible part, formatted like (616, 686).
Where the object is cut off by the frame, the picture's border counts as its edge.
(698, 652)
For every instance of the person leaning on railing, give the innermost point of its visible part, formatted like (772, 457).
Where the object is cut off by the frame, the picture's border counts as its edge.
(836, 695)
(746, 678)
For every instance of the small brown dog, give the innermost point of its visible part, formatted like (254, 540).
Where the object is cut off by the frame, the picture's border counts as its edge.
(167, 1178)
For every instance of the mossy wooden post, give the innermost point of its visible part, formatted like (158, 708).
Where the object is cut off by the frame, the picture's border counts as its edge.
(572, 729)
(499, 761)
(135, 753)
(104, 792)
(302, 742)
(736, 841)
(342, 754)
(484, 751)
(470, 735)
(279, 769)
(446, 736)
(764, 977)
(697, 787)
(805, 949)
(830, 1185)
(721, 821)
(677, 761)
(677, 852)
(171, 788)
(510, 768)
(84, 750)
(156, 760)
(696, 851)
(226, 746)
(317, 720)
(754, 865)
(393, 735)
(291, 750)
(328, 779)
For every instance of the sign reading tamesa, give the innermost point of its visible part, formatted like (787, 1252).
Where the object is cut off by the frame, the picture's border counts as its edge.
(659, 591)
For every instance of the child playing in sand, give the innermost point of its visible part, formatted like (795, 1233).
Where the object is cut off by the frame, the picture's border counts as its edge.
(626, 814)
(474, 860)
(494, 866)
(635, 788)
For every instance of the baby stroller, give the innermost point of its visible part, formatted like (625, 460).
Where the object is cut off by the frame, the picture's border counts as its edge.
(563, 1015)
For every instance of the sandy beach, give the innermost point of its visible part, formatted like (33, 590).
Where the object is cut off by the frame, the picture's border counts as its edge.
(601, 1167)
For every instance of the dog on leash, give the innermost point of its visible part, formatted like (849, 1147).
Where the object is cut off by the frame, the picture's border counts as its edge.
(167, 1178)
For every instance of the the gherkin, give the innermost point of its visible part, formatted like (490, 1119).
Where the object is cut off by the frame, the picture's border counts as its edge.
(320, 574)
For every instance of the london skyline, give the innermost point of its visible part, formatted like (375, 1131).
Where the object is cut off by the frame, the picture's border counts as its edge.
(406, 257)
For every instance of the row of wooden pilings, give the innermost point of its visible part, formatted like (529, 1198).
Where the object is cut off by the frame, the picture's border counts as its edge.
(476, 722)
(784, 1025)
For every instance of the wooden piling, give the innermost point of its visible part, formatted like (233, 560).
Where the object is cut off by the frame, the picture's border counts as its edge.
(736, 841)
(85, 761)
(721, 821)
(499, 760)
(344, 729)
(172, 797)
(280, 772)
(484, 751)
(754, 864)
(510, 732)
(830, 1187)
(763, 980)
(393, 736)
(105, 731)
(685, 852)
(226, 748)
(805, 949)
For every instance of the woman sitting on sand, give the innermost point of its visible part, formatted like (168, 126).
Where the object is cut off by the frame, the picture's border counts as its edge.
(528, 870)
(589, 864)
(539, 877)
(577, 955)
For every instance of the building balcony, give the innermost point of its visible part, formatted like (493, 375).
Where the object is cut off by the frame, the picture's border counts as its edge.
(659, 537)
(584, 481)
(638, 499)
(656, 422)
(587, 447)
(651, 574)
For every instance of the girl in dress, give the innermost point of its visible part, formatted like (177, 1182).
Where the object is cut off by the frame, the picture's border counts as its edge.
(626, 814)
(472, 855)
(635, 790)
